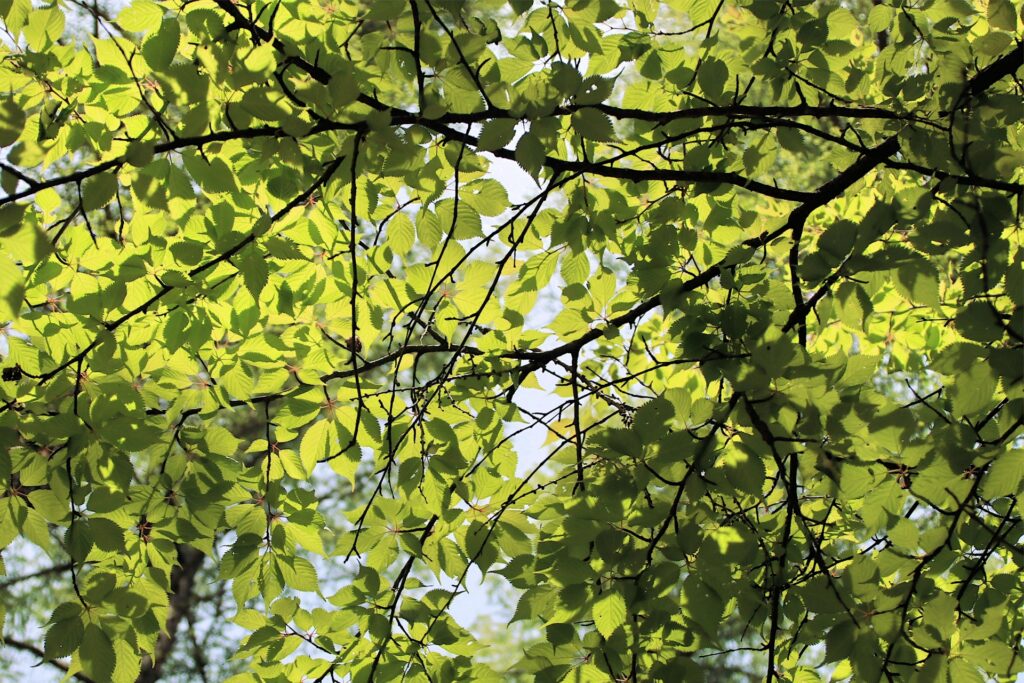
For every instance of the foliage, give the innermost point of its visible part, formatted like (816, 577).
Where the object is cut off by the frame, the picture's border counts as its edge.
(274, 319)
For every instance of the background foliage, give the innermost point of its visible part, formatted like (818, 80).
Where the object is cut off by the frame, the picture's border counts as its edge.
(273, 321)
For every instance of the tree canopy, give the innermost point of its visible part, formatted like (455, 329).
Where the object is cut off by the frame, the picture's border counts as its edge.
(285, 286)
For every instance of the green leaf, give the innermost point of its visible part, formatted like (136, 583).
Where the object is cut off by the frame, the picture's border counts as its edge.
(962, 671)
(97, 654)
(11, 217)
(12, 122)
(487, 196)
(589, 673)
(299, 574)
(496, 134)
(973, 390)
(530, 154)
(713, 77)
(841, 24)
(344, 88)
(12, 289)
(44, 27)
(316, 445)
(98, 191)
(978, 322)
(854, 481)
(744, 470)
(609, 613)
(140, 16)
(593, 124)
(139, 153)
(401, 234)
(918, 280)
(253, 265)
(700, 11)
(992, 44)
(65, 632)
(880, 18)
(161, 47)
(1004, 475)
(261, 60)
(803, 675)
(1002, 15)
(575, 268)
(106, 534)
(128, 663)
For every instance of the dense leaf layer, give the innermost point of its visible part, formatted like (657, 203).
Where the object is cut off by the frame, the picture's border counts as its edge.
(279, 302)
